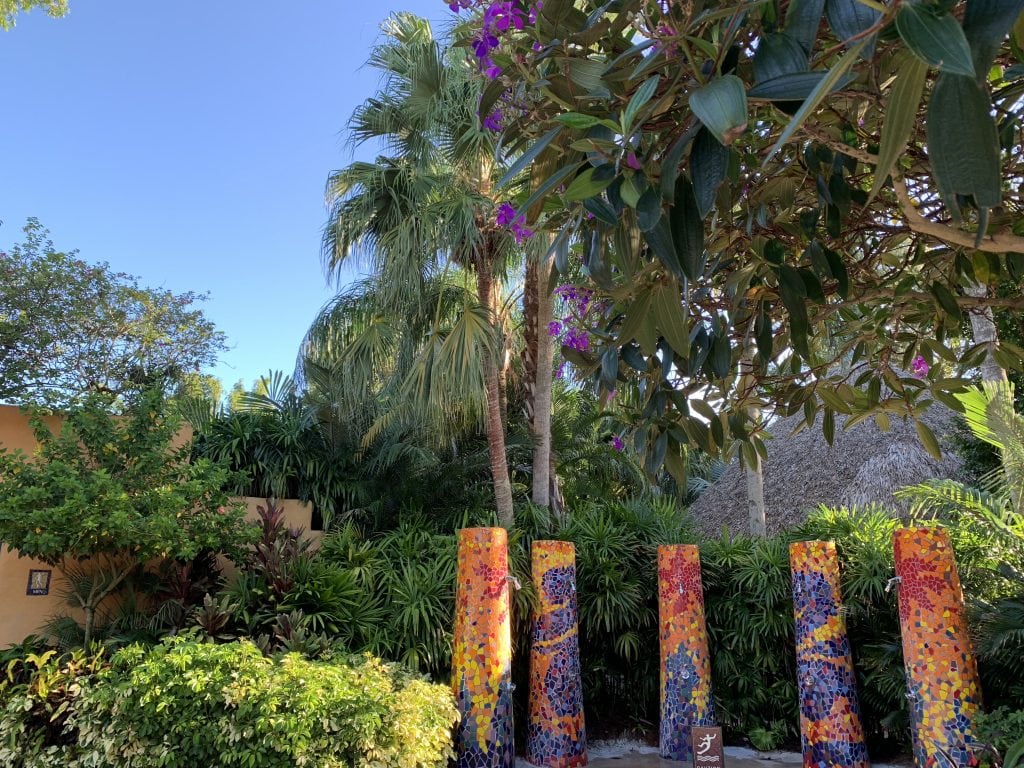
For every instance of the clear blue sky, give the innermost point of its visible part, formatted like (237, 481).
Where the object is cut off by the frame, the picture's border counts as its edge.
(188, 143)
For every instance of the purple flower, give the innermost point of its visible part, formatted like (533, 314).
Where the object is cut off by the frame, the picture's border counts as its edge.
(554, 328)
(560, 373)
(493, 122)
(506, 217)
(919, 367)
(578, 339)
(617, 443)
(633, 162)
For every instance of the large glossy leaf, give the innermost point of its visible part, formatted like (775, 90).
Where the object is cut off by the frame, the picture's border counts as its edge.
(986, 24)
(709, 163)
(648, 209)
(963, 144)
(591, 182)
(687, 229)
(936, 38)
(849, 18)
(670, 317)
(838, 71)
(778, 54)
(900, 115)
(722, 106)
(636, 103)
(803, 20)
(660, 241)
(529, 155)
(794, 87)
(671, 162)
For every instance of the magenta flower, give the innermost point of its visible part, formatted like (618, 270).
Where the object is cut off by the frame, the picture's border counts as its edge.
(506, 217)
(554, 328)
(920, 367)
(617, 443)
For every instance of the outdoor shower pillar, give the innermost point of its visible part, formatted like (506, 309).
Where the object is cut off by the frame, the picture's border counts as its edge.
(556, 737)
(942, 673)
(830, 727)
(482, 652)
(686, 698)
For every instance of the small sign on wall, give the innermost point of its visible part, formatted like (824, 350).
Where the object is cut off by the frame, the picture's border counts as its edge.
(38, 582)
(708, 750)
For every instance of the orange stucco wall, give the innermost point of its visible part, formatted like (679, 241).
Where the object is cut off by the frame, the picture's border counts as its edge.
(22, 614)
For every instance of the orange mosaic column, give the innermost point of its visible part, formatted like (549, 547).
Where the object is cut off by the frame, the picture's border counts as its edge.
(556, 737)
(686, 698)
(482, 652)
(942, 673)
(830, 727)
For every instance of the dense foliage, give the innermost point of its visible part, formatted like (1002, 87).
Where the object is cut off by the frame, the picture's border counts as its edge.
(68, 328)
(780, 206)
(184, 703)
(115, 492)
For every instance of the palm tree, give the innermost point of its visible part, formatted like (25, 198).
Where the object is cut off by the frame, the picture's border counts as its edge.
(426, 207)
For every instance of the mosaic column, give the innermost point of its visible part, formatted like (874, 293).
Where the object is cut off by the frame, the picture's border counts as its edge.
(942, 674)
(830, 726)
(482, 652)
(556, 737)
(686, 698)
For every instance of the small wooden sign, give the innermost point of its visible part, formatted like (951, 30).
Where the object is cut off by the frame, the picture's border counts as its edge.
(38, 582)
(708, 750)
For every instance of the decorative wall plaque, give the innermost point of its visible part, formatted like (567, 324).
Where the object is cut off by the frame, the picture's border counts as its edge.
(708, 750)
(38, 582)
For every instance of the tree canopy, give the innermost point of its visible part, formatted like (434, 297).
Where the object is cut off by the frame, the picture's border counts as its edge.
(9, 9)
(68, 328)
(781, 207)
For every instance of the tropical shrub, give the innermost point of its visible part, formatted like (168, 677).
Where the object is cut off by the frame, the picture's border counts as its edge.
(184, 703)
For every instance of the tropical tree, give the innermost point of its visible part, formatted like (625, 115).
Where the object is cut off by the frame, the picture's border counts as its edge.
(115, 492)
(428, 206)
(68, 328)
(747, 178)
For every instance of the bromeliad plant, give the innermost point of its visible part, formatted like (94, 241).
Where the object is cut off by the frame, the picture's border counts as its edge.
(782, 204)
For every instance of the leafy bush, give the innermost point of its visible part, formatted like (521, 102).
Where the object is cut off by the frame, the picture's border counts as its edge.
(186, 703)
(1002, 729)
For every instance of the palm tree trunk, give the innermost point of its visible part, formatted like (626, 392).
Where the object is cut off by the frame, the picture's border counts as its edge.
(541, 424)
(983, 327)
(495, 424)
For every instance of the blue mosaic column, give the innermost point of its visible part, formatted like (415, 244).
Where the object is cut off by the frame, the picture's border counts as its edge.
(830, 727)
(556, 736)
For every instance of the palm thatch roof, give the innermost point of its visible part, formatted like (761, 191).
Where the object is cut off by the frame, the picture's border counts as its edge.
(862, 465)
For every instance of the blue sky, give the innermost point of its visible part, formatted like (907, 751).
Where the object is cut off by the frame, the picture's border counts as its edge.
(188, 143)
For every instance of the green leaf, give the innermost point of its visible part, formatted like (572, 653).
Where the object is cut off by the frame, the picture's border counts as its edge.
(963, 144)
(670, 317)
(794, 87)
(633, 186)
(640, 98)
(820, 92)
(838, 268)
(778, 54)
(660, 241)
(900, 115)
(529, 156)
(722, 106)
(648, 209)
(764, 334)
(709, 164)
(937, 39)
(803, 20)
(671, 162)
(582, 122)
(928, 439)
(586, 185)
(610, 367)
(586, 74)
(986, 24)
(687, 229)
(549, 184)
(601, 210)
(946, 301)
(1015, 265)
(828, 426)
(849, 18)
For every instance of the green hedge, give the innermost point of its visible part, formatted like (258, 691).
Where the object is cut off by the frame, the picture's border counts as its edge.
(185, 703)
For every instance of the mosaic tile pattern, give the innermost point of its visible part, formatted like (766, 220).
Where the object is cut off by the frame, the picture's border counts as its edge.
(942, 673)
(686, 698)
(556, 737)
(830, 727)
(482, 652)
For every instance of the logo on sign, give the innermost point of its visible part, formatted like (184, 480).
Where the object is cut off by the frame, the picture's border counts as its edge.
(707, 747)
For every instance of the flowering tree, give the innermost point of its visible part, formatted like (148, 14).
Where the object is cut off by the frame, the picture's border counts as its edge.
(782, 207)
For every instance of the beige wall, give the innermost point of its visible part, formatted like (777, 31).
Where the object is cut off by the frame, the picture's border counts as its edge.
(22, 614)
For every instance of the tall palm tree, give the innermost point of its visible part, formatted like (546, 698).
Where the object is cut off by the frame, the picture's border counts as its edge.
(426, 206)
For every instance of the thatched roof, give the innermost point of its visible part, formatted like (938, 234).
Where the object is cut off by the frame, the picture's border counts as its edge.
(862, 465)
